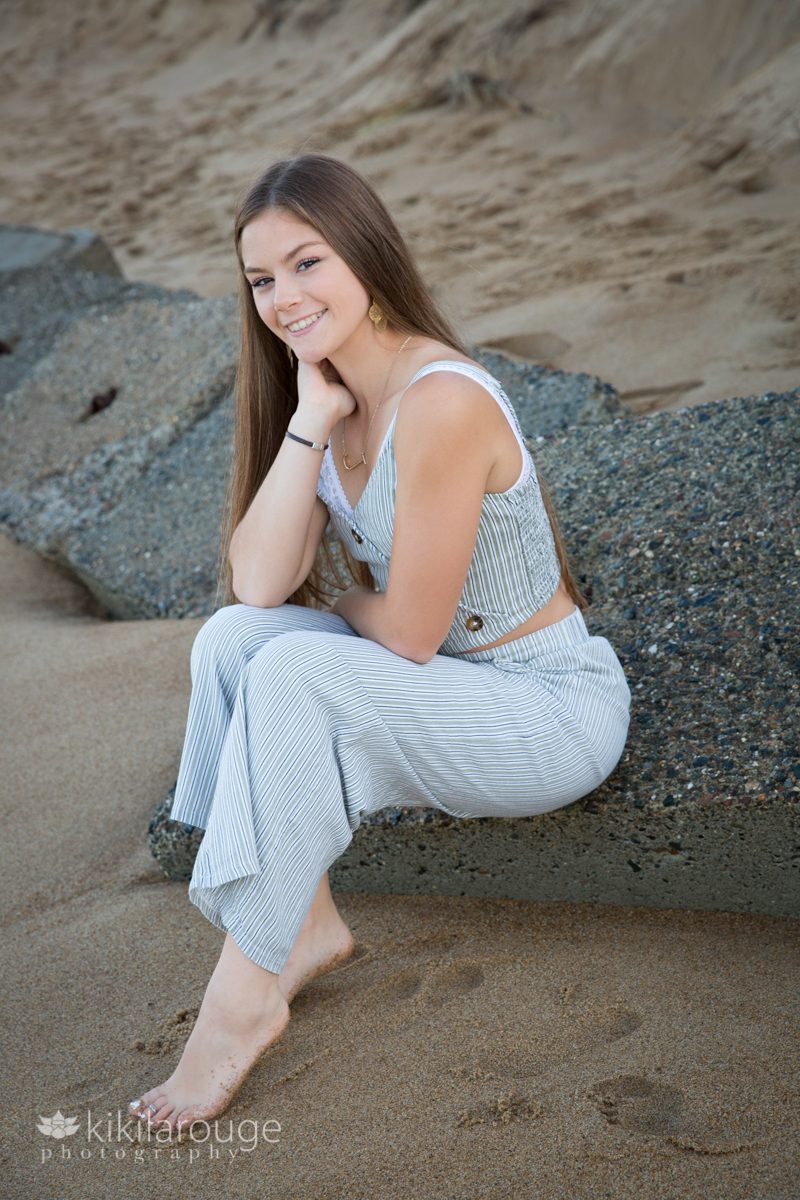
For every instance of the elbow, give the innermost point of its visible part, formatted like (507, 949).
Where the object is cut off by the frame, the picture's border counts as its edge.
(413, 655)
(241, 589)
(411, 643)
(408, 637)
(245, 589)
(246, 592)
(249, 598)
(256, 591)
(416, 652)
(422, 659)
(259, 590)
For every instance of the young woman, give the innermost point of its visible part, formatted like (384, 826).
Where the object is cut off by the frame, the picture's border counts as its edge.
(456, 673)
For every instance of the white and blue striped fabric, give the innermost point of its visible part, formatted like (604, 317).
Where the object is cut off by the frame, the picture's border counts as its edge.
(515, 567)
(298, 727)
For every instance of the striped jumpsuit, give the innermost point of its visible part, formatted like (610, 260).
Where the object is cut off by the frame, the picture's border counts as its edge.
(298, 726)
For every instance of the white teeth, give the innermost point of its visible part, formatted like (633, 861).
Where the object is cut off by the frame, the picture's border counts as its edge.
(296, 326)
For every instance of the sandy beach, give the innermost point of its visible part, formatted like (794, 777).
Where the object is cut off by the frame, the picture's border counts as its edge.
(609, 188)
(470, 1047)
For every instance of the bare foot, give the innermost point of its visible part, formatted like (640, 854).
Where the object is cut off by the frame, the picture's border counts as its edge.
(243, 1012)
(322, 945)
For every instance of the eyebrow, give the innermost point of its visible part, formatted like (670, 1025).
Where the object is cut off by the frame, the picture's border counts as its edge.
(289, 256)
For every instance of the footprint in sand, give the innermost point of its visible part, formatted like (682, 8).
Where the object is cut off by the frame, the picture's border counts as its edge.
(451, 982)
(501, 1107)
(638, 1104)
(430, 988)
(505, 1109)
(520, 1053)
(559, 1039)
(645, 1106)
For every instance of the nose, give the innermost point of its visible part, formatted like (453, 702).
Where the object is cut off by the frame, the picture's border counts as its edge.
(285, 298)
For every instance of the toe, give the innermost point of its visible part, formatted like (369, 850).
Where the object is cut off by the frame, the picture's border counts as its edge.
(163, 1111)
(182, 1119)
(170, 1120)
(152, 1103)
(139, 1108)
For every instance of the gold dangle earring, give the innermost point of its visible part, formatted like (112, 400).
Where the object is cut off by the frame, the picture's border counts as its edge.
(377, 316)
(290, 352)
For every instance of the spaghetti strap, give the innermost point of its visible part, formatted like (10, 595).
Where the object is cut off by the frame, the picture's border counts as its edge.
(495, 388)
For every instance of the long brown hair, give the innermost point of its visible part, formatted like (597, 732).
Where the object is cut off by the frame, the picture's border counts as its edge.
(343, 207)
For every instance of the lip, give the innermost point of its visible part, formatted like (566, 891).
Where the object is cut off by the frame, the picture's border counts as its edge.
(308, 328)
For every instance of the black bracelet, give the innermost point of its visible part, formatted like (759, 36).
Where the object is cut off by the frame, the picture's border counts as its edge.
(306, 442)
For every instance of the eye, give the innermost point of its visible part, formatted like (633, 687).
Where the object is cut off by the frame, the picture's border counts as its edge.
(267, 279)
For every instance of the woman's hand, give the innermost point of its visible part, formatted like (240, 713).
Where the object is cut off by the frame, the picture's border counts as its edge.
(321, 391)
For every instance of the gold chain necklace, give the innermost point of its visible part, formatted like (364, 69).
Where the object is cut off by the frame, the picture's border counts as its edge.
(363, 459)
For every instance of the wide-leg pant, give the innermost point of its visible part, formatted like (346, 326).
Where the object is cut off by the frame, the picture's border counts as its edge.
(298, 726)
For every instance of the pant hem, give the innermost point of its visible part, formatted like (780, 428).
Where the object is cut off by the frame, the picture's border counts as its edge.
(267, 962)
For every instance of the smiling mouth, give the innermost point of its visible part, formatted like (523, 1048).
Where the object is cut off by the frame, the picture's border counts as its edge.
(305, 322)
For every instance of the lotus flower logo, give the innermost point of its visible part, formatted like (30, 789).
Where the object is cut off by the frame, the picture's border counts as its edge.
(58, 1126)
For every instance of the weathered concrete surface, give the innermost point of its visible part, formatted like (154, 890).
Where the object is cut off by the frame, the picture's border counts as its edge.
(129, 498)
(156, 553)
(547, 401)
(681, 527)
(66, 471)
(71, 329)
(25, 246)
(47, 280)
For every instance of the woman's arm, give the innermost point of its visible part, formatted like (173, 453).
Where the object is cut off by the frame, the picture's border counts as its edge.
(269, 543)
(284, 523)
(444, 458)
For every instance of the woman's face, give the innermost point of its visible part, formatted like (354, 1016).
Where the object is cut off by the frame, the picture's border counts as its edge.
(291, 280)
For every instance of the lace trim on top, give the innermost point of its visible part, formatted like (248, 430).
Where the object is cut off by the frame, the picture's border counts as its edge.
(330, 487)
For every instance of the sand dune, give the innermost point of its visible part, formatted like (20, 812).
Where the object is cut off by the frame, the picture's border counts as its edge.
(620, 182)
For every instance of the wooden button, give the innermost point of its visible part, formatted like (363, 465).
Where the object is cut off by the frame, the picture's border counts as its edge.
(357, 536)
(474, 622)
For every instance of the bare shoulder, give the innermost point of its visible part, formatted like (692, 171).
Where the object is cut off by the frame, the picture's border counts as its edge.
(446, 401)
(444, 435)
